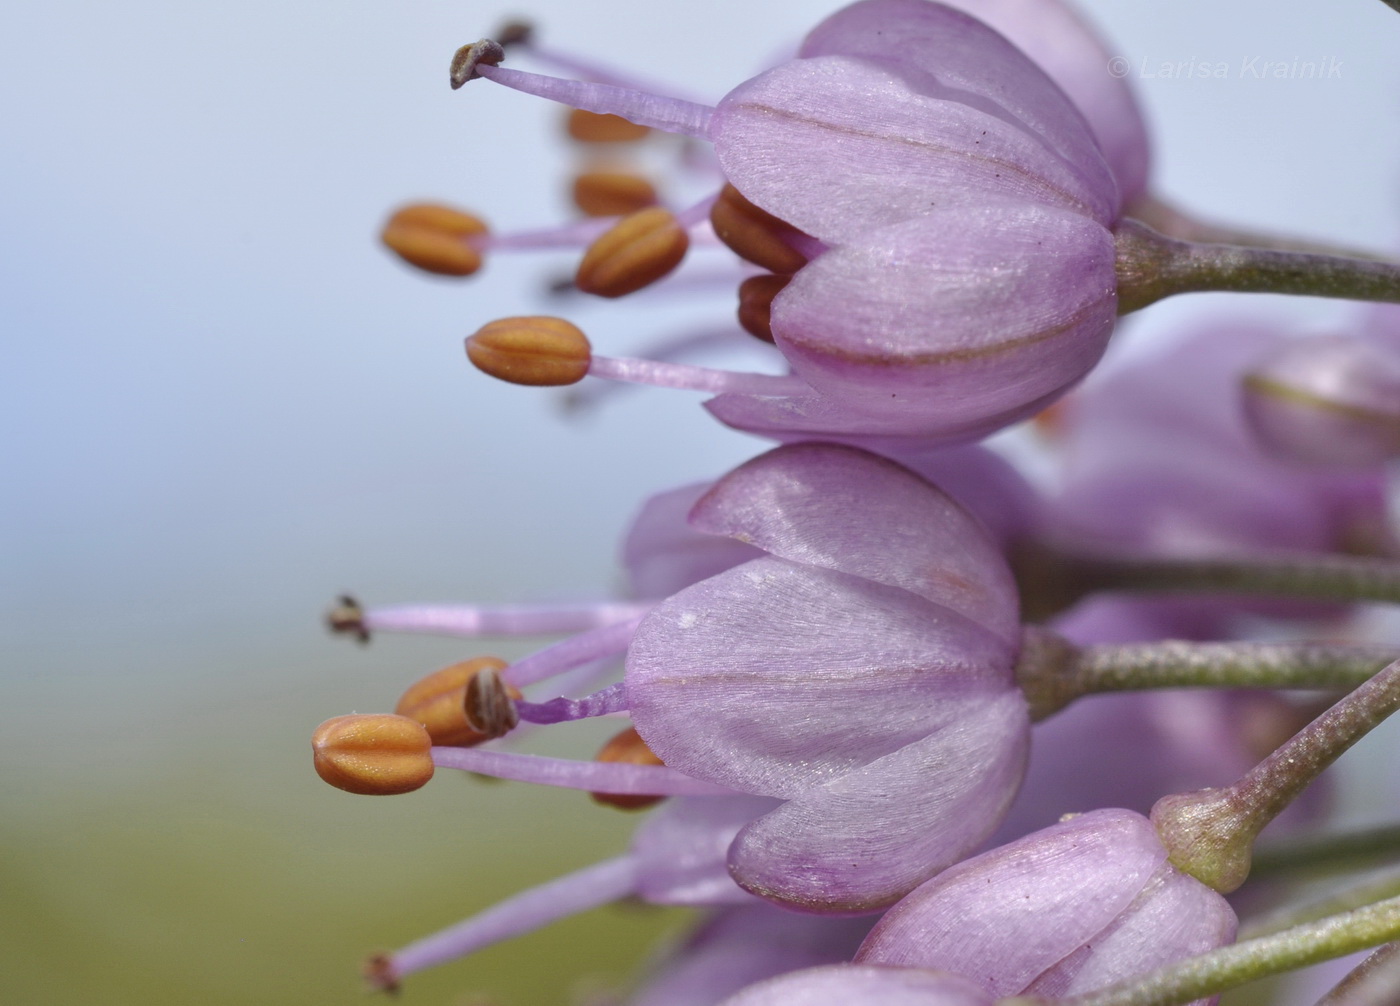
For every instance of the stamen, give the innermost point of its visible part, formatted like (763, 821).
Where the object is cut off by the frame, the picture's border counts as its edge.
(628, 748)
(757, 236)
(487, 704)
(756, 304)
(377, 755)
(636, 252)
(535, 351)
(551, 351)
(612, 193)
(435, 238)
(670, 115)
(472, 620)
(576, 651)
(592, 887)
(612, 699)
(439, 700)
(469, 59)
(564, 773)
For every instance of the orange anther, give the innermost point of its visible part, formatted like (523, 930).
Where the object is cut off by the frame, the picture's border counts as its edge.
(756, 304)
(377, 755)
(435, 238)
(437, 702)
(755, 234)
(612, 193)
(629, 748)
(537, 350)
(636, 252)
(591, 127)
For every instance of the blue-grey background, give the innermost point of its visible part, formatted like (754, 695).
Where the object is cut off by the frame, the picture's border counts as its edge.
(222, 404)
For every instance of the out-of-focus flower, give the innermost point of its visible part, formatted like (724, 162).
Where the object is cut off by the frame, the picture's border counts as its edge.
(1064, 911)
(856, 983)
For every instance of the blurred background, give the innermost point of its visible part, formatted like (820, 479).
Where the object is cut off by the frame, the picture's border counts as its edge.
(222, 405)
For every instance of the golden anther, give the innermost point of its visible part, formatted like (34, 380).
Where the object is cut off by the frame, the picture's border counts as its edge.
(612, 193)
(536, 350)
(487, 704)
(628, 748)
(435, 238)
(593, 127)
(376, 755)
(638, 250)
(756, 304)
(437, 702)
(754, 234)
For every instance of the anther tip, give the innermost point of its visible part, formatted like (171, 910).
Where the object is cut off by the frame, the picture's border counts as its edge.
(466, 59)
(380, 975)
(348, 618)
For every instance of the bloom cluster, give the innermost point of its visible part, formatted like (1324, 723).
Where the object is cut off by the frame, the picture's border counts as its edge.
(923, 730)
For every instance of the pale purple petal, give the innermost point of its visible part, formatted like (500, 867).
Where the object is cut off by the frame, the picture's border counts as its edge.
(681, 849)
(854, 984)
(797, 502)
(989, 918)
(838, 145)
(864, 840)
(931, 38)
(663, 554)
(1174, 917)
(1064, 45)
(774, 677)
(953, 318)
(981, 480)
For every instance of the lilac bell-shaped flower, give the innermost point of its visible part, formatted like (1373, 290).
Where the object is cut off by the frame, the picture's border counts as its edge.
(1065, 911)
(860, 671)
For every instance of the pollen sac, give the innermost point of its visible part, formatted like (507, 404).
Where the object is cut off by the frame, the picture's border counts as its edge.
(347, 618)
(612, 193)
(628, 748)
(636, 252)
(375, 755)
(438, 701)
(755, 235)
(435, 238)
(756, 304)
(487, 704)
(593, 127)
(535, 350)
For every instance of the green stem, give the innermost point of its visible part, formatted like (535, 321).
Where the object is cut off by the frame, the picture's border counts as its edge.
(1052, 672)
(1210, 833)
(1053, 577)
(1234, 965)
(1325, 854)
(1152, 266)
(1370, 891)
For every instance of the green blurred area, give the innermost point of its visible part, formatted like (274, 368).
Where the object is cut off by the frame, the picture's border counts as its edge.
(192, 855)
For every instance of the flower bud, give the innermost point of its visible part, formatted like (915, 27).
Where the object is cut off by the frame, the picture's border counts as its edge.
(534, 350)
(636, 252)
(755, 235)
(375, 755)
(591, 127)
(612, 193)
(756, 304)
(435, 238)
(437, 702)
(628, 748)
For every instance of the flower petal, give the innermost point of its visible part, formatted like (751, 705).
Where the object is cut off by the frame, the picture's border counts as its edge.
(986, 918)
(773, 677)
(663, 554)
(953, 318)
(680, 850)
(929, 37)
(866, 839)
(796, 503)
(879, 142)
(848, 983)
